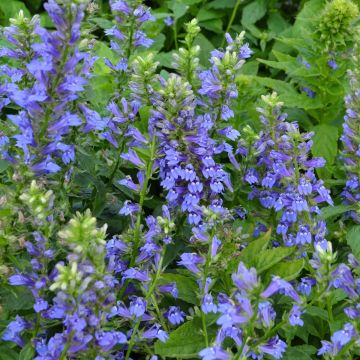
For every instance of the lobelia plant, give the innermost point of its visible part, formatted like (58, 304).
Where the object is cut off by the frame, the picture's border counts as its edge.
(283, 178)
(350, 141)
(202, 241)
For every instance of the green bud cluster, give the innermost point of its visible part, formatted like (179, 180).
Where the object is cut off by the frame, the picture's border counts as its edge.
(38, 201)
(81, 233)
(187, 60)
(69, 279)
(143, 76)
(335, 23)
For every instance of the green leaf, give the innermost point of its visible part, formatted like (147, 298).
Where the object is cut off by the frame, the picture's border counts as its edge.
(253, 12)
(185, 342)
(27, 352)
(325, 142)
(221, 4)
(307, 17)
(332, 211)
(317, 312)
(353, 240)
(16, 298)
(102, 23)
(302, 352)
(187, 287)
(3, 165)
(8, 354)
(204, 15)
(250, 68)
(100, 90)
(206, 47)
(178, 8)
(276, 23)
(288, 270)
(249, 254)
(266, 259)
(215, 25)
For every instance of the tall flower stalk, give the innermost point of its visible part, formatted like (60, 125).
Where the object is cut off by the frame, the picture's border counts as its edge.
(351, 139)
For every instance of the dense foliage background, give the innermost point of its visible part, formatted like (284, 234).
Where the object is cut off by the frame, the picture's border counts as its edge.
(179, 181)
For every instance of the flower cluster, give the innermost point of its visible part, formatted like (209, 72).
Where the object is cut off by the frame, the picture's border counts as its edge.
(350, 140)
(127, 34)
(187, 167)
(248, 313)
(180, 271)
(284, 179)
(54, 76)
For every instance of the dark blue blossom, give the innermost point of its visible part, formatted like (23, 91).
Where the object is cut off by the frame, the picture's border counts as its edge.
(284, 179)
(175, 315)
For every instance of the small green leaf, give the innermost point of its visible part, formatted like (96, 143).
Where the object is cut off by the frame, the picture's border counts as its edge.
(3, 165)
(185, 342)
(353, 240)
(249, 254)
(187, 287)
(268, 258)
(206, 47)
(332, 211)
(27, 352)
(178, 8)
(299, 352)
(253, 12)
(317, 312)
(287, 270)
(325, 142)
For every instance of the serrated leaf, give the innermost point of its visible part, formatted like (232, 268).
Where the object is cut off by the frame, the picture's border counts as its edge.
(268, 258)
(221, 4)
(317, 312)
(253, 12)
(325, 142)
(248, 255)
(299, 353)
(27, 352)
(206, 47)
(187, 287)
(332, 211)
(276, 23)
(184, 342)
(178, 8)
(8, 354)
(353, 240)
(287, 270)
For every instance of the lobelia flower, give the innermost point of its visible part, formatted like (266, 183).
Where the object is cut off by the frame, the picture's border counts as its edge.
(174, 315)
(54, 76)
(244, 315)
(85, 293)
(350, 154)
(284, 179)
(188, 170)
(126, 34)
(338, 340)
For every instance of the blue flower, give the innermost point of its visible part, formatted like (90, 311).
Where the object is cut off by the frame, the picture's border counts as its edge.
(274, 347)
(175, 315)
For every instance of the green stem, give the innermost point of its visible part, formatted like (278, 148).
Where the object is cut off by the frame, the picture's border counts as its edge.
(137, 228)
(205, 275)
(175, 35)
(158, 312)
(232, 18)
(149, 294)
(113, 172)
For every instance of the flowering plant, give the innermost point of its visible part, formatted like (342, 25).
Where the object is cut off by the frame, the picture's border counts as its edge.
(149, 210)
